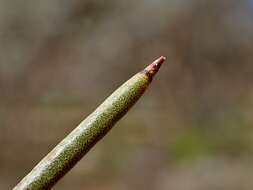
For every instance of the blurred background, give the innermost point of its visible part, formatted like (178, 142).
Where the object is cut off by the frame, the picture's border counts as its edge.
(192, 129)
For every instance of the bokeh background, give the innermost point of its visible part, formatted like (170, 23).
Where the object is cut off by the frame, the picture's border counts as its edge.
(191, 130)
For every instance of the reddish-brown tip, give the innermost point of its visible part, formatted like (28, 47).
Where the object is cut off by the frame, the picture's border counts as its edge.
(158, 62)
(153, 68)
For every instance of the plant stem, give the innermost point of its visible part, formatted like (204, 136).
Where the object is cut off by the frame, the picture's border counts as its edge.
(72, 148)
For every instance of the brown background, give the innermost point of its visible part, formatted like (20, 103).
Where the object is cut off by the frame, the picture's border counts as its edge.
(192, 129)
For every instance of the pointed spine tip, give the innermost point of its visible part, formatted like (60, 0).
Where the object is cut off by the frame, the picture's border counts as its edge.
(160, 60)
(153, 68)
